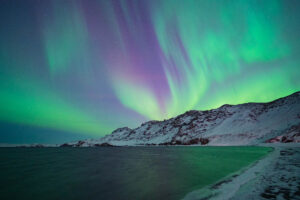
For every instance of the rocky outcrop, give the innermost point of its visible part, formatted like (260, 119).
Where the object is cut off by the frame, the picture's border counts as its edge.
(103, 145)
(66, 145)
(291, 135)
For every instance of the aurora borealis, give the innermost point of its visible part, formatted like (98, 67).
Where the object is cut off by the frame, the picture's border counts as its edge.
(84, 68)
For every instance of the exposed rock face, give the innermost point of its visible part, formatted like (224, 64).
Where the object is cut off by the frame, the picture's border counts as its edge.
(243, 124)
(104, 145)
(291, 135)
(66, 145)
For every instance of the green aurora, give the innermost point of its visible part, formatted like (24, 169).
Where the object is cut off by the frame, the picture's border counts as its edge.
(88, 67)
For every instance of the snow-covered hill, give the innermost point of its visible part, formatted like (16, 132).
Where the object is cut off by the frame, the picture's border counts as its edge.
(243, 124)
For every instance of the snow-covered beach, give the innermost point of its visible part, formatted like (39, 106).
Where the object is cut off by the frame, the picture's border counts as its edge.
(276, 176)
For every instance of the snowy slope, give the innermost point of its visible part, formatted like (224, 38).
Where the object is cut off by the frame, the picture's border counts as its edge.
(243, 124)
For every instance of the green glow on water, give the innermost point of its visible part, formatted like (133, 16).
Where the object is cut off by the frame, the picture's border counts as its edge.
(118, 173)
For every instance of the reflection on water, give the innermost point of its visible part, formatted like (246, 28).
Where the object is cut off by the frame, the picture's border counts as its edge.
(116, 173)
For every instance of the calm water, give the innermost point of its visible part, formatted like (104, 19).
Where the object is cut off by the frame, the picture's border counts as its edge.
(117, 173)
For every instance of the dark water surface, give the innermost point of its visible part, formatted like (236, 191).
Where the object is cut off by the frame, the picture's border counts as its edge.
(117, 173)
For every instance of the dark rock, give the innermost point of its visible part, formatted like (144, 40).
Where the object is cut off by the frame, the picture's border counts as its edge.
(79, 143)
(37, 146)
(104, 145)
(194, 141)
(204, 141)
(66, 145)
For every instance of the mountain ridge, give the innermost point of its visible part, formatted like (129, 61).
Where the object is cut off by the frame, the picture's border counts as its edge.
(243, 124)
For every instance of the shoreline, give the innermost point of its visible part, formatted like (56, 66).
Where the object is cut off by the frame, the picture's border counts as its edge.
(275, 175)
(263, 179)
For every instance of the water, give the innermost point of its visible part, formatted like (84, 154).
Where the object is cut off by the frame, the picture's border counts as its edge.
(117, 173)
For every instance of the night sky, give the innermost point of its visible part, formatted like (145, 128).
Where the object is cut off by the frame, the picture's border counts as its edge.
(79, 69)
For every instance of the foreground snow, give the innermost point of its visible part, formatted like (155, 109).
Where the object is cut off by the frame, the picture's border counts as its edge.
(277, 176)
